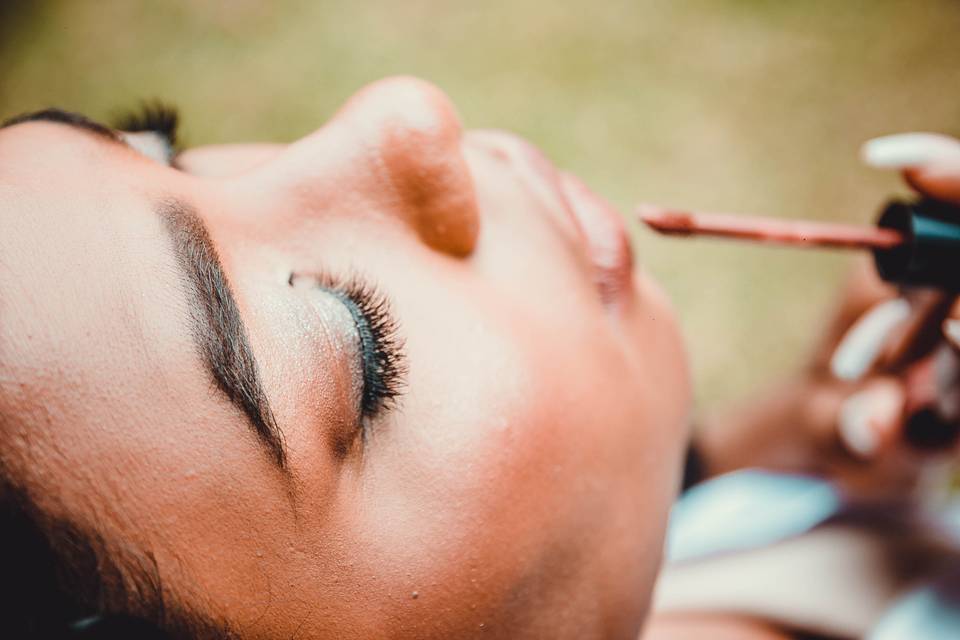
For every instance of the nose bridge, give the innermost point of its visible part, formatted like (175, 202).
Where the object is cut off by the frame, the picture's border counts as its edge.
(398, 141)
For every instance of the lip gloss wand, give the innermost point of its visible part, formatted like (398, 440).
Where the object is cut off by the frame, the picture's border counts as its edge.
(914, 243)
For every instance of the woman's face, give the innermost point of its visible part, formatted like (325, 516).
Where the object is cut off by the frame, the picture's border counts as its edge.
(424, 393)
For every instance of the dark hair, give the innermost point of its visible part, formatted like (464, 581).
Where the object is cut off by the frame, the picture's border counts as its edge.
(54, 575)
(58, 581)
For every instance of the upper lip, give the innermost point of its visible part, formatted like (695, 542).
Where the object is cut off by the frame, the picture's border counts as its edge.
(608, 245)
(600, 228)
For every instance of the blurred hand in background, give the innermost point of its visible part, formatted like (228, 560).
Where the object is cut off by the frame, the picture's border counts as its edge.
(880, 398)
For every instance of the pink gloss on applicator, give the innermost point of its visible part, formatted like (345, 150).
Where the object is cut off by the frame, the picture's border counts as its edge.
(797, 233)
(914, 243)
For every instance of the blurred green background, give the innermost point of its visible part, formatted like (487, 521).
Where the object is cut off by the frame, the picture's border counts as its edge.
(753, 106)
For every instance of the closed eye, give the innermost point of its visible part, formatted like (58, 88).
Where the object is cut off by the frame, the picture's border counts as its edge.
(380, 350)
(379, 345)
(152, 128)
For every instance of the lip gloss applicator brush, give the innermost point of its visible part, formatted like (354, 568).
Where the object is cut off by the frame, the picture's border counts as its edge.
(914, 243)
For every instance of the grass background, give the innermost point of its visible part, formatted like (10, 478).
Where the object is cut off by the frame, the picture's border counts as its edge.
(742, 105)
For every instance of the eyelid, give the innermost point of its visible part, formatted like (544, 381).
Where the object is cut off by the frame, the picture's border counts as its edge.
(151, 144)
(379, 347)
(152, 128)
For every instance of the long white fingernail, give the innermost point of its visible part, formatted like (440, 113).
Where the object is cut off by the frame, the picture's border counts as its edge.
(862, 344)
(905, 150)
(855, 425)
(867, 414)
(946, 370)
(951, 329)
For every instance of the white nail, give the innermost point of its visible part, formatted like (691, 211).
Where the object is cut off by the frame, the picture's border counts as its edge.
(946, 370)
(856, 429)
(951, 329)
(869, 414)
(905, 150)
(862, 344)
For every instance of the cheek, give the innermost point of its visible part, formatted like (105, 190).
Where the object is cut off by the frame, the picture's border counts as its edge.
(660, 362)
(520, 453)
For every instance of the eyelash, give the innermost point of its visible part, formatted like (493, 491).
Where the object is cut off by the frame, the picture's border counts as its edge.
(381, 350)
(382, 355)
(151, 116)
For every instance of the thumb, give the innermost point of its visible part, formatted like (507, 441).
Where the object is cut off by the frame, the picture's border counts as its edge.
(930, 161)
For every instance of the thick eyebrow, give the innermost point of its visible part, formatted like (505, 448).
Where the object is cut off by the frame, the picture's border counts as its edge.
(75, 120)
(217, 326)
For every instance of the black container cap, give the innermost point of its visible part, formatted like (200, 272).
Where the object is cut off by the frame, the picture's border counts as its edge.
(930, 253)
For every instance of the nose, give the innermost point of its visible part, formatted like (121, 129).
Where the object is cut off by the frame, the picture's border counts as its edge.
(393, 148)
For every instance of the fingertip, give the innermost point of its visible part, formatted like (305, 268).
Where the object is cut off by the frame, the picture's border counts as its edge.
(951, 331)
(940, 179)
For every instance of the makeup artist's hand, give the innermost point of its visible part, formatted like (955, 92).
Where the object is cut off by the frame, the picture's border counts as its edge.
(930, 163)
(856, 413)
(842, 427)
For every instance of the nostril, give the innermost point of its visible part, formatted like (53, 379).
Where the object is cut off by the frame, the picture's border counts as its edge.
(434, 190)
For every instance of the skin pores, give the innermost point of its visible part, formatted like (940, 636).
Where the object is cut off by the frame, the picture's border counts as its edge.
(519, 485)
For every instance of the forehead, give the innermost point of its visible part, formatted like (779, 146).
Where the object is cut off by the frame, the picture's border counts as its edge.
(69, 206)
(33, 152)
(79, 245)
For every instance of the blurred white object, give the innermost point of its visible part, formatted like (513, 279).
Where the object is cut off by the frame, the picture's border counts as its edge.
(787, 550)
(905, 150)
(930, 612)
(869, 416)
(864, 341)
(747, 509)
